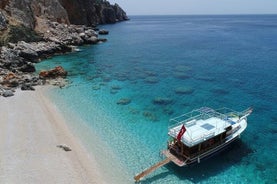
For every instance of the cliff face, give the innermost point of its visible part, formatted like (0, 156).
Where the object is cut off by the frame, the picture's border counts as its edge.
(92, 12)
(22, 17)
(25, 11)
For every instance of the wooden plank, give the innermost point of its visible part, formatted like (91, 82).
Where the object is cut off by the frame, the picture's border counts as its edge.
(151, 169)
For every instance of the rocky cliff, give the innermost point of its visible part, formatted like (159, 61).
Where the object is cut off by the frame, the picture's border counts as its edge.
(18, 18)
(92, 12)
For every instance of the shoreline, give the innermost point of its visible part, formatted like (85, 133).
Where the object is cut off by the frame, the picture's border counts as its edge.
(108, 162)
(31, 128)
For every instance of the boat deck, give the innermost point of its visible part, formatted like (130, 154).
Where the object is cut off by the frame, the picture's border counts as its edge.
(203, 126)
(199, 130)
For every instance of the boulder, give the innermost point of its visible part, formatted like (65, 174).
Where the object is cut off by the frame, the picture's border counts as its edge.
(9, 76)
(10, 80)
(91, 40)
(54, 73)
(26, 87)
(27, 50)
(64, 147)
(28, 67)
(103, 32)
(7, 93)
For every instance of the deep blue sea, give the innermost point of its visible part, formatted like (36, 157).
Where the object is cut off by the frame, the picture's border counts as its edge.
(190, 61)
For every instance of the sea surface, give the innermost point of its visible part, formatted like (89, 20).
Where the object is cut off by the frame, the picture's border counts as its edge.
(187, 62)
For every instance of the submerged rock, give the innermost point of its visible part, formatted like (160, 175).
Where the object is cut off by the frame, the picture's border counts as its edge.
(162, 101)
(168, 111)
(123, 101)
(96, 87)
(150, 73)
(220, 91)
(184, 90)
(121, 76)
(151, 116)
(134, 111)
(206, 78)
(181, 75)
(182, 68)
(151, 80)
(113, 91)
(115, 87)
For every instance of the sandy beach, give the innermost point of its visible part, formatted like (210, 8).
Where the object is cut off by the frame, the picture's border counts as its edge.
(30, 130)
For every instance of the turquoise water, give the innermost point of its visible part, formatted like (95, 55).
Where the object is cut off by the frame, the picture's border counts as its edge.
(190, 61)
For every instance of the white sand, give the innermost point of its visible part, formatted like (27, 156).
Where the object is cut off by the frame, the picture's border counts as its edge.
(30, 130)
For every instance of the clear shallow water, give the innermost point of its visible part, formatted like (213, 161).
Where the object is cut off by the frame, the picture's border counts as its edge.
(191, 61)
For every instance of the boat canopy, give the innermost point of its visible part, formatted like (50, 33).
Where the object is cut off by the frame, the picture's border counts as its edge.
(203, 124)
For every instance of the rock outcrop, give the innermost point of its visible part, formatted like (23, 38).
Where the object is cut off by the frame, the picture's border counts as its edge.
(17, 60)
(92, 12)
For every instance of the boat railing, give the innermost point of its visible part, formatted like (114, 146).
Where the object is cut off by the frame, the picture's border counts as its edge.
(205, 113)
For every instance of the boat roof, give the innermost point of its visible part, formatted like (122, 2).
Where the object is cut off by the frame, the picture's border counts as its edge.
(203, 124)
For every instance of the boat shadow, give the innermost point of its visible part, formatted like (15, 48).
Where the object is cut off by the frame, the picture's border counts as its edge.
(213, 166)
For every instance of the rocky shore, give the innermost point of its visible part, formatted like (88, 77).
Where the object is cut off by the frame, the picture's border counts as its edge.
(17, 59)
(45, 29)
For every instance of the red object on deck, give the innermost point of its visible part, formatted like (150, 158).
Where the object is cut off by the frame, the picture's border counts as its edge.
(181, 133)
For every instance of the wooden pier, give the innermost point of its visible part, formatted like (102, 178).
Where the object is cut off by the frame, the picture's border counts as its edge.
(151, 169)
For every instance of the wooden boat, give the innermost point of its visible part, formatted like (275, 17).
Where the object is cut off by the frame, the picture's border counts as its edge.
(203, 132)
(200, 134)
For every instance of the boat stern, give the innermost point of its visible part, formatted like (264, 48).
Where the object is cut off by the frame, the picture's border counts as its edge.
(173, 158)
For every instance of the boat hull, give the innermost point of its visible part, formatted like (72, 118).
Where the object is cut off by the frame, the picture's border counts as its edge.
(210, 153)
